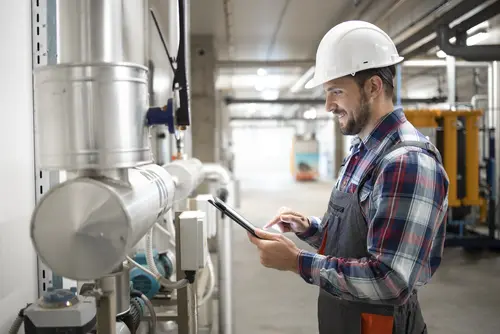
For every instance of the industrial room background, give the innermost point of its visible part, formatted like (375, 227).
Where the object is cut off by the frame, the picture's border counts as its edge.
(127, 115)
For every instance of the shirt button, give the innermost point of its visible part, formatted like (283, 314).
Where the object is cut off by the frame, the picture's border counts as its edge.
(310, 280)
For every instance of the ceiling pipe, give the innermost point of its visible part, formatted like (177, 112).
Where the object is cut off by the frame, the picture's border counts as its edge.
(461, 17)
(290, 63)
(470, 53)
(231, 100)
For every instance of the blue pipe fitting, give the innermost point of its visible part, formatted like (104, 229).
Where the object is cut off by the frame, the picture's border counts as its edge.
(162, 116)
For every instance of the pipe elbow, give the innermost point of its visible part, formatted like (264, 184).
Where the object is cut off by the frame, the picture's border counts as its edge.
(217, 172)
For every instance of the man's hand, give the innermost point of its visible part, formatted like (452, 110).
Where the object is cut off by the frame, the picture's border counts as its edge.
(276, 251)
(289, 221)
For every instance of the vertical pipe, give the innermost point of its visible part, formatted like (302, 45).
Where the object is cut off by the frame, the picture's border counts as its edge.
(106, 307)
(224, 246)
(450, 158)
(472, 166)
(495, 110)
(399, 74)
(451, 80)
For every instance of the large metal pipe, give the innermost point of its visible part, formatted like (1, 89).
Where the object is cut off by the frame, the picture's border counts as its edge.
(91, 105)
(103, 31)
(84, 228)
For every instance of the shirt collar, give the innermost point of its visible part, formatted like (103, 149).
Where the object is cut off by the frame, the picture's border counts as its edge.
(384, 127)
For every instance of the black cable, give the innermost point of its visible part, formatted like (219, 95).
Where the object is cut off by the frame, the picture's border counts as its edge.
(180, 77)
(170, 59)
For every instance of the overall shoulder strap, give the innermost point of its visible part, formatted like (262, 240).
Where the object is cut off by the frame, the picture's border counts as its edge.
(426, 146)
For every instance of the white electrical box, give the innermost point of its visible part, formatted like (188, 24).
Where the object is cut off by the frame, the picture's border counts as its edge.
(193, 240)
(210, 212)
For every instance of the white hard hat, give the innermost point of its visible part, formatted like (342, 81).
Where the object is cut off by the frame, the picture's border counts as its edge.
(350, 47)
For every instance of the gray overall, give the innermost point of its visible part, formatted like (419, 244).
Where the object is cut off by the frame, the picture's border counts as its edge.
(347, 231)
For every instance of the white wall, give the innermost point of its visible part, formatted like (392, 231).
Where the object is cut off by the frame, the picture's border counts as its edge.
(262, 156)
(18, 278)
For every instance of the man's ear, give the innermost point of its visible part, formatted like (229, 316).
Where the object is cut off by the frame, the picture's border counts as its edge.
(374, 86)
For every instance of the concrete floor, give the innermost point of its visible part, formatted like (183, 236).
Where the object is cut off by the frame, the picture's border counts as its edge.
(463, 297)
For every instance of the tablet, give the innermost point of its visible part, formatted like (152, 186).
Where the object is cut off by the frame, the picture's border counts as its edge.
(235, 216)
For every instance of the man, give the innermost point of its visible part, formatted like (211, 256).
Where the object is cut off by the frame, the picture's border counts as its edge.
(383, 233)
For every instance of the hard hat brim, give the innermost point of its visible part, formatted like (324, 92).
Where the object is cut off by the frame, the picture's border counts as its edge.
(315, 82)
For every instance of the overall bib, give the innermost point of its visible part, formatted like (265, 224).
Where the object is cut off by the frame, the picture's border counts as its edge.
(346, 237)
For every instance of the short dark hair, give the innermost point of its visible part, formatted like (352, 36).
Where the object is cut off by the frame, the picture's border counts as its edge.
(386, 74)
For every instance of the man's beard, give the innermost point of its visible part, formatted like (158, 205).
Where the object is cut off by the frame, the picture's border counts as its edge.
(358, 120)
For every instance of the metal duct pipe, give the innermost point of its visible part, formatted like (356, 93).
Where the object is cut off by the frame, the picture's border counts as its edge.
(84, 228)
(91, 105)
(470, 53)
(102, 31)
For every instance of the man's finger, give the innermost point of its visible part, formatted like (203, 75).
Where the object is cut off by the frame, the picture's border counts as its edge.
(290, 218)
(273, 221)
(266, 235)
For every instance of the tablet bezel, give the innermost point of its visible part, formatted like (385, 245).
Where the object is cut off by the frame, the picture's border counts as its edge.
(235, 216)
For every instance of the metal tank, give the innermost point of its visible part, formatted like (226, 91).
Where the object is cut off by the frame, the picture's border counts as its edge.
(90, 106)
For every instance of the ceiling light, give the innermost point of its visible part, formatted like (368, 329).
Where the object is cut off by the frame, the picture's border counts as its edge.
(441, 54)
(261, 72)
(310, 114)
(259, 87)
(477, 38)
(270, 94)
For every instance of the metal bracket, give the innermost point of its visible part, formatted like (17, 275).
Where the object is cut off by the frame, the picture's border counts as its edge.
(44, 52)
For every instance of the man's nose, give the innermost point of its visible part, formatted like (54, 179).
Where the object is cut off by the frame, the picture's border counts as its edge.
(330, 106)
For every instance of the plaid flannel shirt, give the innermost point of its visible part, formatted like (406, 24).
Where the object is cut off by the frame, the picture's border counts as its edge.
(405, 210)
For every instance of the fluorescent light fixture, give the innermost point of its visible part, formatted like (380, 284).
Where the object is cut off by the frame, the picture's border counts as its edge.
(261, 72)
(304, 78)
(270, 94)
(441, 54)
(310, 114)
(259, 86)
(477, 38)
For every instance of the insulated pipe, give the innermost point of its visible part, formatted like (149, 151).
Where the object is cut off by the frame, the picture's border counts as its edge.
(84, 228)
(217, 172)
(470, 53)
(91, 104)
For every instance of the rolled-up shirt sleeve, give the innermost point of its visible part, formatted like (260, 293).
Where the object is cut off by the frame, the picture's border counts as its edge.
(314, 234)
